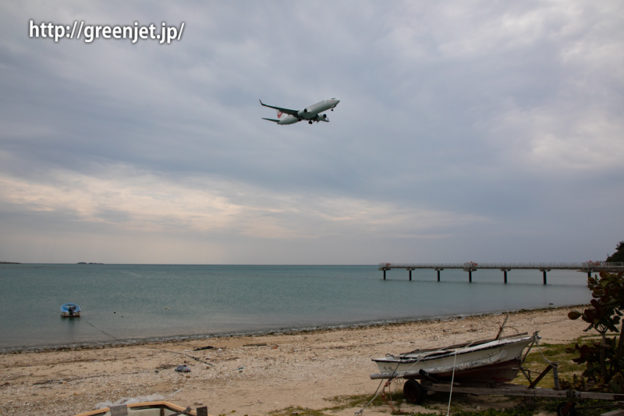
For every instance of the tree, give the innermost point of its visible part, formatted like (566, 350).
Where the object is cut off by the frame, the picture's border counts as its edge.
(618, 256)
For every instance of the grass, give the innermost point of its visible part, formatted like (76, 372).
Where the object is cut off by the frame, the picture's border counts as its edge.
(562, 354)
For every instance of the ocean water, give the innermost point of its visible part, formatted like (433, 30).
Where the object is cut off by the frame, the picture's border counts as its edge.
(123, 303)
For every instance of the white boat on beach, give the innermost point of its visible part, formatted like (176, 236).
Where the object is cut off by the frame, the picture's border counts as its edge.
(495, 360)
(155, 408)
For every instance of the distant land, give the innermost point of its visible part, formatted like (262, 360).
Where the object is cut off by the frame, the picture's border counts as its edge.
(15, 262)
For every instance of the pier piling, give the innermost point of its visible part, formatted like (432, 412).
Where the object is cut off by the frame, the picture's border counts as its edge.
(505, 274)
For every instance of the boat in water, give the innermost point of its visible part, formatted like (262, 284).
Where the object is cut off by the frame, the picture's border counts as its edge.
(495, 360)
(155, 408)
(70, 310)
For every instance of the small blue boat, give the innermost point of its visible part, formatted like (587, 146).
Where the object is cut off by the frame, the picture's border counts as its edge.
(70, 310)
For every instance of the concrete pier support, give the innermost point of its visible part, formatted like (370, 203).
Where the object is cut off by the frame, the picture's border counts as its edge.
(505, 274)
(438, 270)
(410, 274)
(544, 271)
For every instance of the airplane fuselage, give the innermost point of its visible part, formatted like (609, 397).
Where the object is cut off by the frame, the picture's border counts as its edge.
(314, 110)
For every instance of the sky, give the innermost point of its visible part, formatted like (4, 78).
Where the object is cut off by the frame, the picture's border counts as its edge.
(466, 131)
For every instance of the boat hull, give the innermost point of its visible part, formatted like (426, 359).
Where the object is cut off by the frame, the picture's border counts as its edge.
(495, 361)
(70, 310)
(494, 373)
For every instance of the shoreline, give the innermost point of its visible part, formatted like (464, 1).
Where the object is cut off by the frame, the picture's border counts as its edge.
(122, 342)
(249, 375)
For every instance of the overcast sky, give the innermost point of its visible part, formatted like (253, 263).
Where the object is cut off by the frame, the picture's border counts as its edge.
(467, 130)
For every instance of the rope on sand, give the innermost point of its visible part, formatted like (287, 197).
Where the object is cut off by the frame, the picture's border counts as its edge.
(361, 411)
(153, 348)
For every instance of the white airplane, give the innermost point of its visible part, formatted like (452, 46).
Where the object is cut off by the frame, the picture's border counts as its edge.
(310, 113)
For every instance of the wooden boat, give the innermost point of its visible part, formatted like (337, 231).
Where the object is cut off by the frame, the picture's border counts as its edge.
(157, 408)
(495, 360)
(70, 310)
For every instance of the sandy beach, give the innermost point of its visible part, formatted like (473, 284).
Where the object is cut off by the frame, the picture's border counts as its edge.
(246, 375)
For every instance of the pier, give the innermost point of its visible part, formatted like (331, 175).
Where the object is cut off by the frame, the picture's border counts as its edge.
(588, 267)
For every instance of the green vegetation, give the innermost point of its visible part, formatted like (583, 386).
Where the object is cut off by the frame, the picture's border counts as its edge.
(541, 355)
(298, 411)
(618, 256)
(603, 358)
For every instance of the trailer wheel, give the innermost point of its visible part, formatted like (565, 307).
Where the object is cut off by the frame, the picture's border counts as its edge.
(566, 409)
(414, 392)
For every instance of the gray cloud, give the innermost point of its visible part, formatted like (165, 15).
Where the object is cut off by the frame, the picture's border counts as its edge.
(465, 130)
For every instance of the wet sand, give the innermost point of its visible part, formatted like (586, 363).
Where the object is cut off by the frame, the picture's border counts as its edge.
(244, 375)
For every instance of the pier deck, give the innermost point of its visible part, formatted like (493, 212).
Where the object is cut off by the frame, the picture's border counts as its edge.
(585, 267)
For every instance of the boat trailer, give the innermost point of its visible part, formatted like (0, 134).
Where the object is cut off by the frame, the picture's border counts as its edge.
(416, 391)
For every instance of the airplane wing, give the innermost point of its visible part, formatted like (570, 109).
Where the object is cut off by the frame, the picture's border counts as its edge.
(282, 109)
(271, 119)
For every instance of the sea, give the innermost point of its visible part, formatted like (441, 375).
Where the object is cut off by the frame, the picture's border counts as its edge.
(137, 303)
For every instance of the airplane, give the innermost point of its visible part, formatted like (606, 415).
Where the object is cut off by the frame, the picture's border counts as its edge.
(310, 113)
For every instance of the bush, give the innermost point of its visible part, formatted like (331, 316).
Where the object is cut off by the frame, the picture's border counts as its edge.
(603, 359)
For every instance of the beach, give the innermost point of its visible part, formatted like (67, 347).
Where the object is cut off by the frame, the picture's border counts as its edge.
(245, 375)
